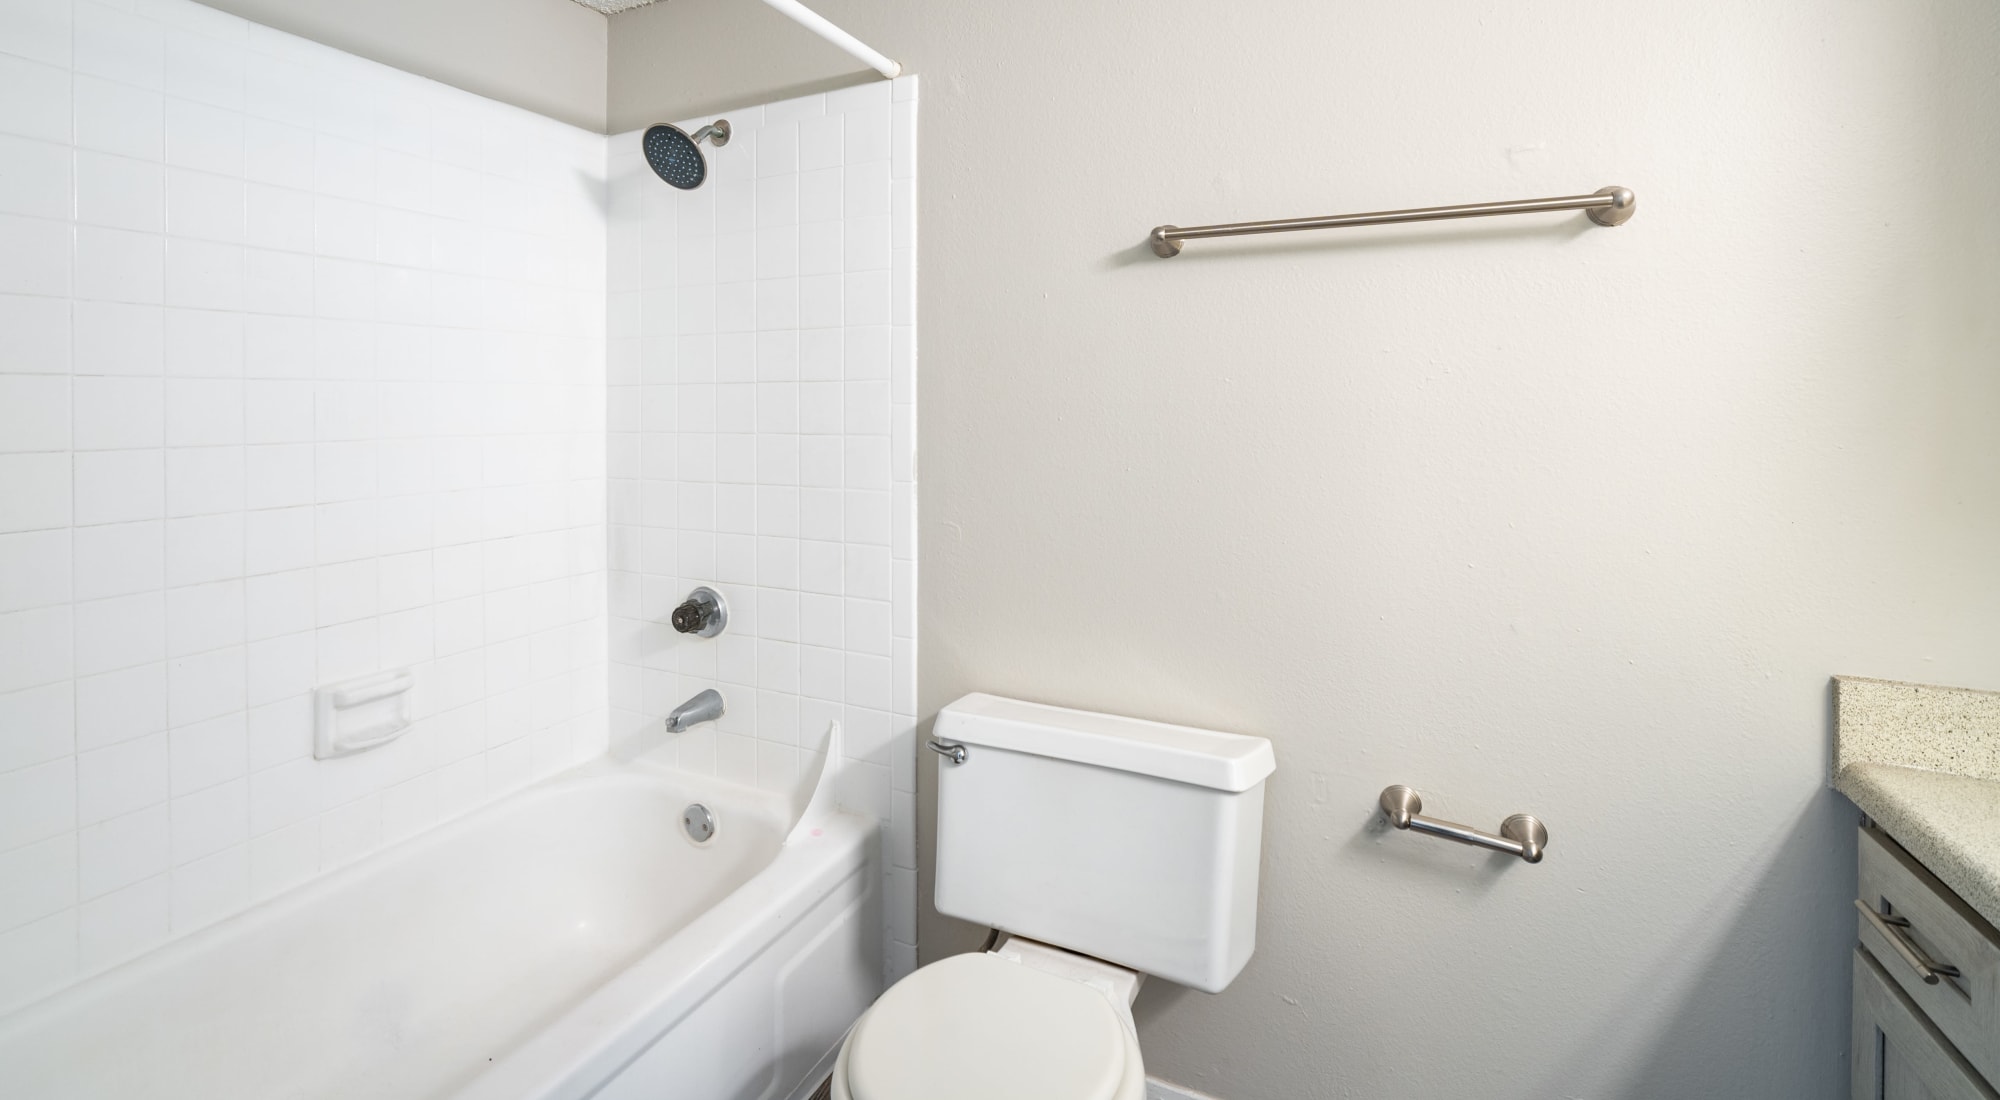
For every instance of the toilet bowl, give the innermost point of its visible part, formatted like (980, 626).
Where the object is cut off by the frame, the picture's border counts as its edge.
(1023, 1020)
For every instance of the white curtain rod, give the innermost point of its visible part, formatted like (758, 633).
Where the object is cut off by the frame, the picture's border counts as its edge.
(819, 25)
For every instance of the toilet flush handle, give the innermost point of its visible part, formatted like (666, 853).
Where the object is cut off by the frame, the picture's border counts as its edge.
(953, 753)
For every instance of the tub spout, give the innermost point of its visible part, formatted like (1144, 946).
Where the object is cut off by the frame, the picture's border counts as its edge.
(705, 707)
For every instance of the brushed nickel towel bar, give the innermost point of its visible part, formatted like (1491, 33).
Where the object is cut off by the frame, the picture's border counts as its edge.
(1520, 835)
(1607, 206)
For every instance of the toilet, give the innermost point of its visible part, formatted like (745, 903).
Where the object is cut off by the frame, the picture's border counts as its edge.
(1102, 850)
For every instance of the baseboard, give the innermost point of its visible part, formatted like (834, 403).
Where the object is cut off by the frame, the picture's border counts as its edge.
(1157, 1089)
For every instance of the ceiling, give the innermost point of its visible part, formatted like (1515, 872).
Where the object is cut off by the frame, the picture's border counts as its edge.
(610, 6)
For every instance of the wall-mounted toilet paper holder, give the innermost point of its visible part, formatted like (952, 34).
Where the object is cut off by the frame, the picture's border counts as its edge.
(1520, 835)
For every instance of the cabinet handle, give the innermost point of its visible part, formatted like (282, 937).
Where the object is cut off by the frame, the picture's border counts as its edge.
(1891, 929)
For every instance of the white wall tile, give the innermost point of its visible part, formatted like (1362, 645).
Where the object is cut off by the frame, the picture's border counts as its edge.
(34, 252)
(205, 686)
(279, 153)
(204, 275)
(120, 632)
(204, 548)
(37, 802)
(118, 852)
(121, 778)
(34, 99)
(119, 413)
(118, 559)
(37, 183)
(34, 412)
(118, 486)
(865, 298)
(37, 881)
(203, 137)
(208, 753)
(119, 46)
(203, 344)
(205, 206)
(36, 726)
(113, 117)
(120, 192)
(865, 136)
(203, 412)
(38, 30)
(204, 480)
(119, 339)
(210, 820)
(34, 570)
(204, 69)
(37, 335)
(116, 265)
(204, 617)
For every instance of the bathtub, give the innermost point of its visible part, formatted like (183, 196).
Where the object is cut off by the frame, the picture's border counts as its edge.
(567, 941)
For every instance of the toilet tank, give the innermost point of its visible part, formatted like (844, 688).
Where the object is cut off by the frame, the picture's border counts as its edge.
(1133, 841)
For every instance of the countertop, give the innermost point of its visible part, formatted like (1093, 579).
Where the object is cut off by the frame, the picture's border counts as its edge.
(1950, 823)
(1924, 762)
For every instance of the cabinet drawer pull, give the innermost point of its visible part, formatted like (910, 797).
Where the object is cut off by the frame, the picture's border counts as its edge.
(1891, 929)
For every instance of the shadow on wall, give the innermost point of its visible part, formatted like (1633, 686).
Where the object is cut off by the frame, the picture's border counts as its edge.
(597, 192)
(1698, 1005)
(1662, 1043)
(1695, 1008)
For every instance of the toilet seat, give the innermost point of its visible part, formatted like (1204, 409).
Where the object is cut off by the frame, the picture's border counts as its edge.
(983, 1027)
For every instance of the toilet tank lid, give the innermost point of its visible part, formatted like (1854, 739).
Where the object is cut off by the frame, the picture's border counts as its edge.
(1204, 758)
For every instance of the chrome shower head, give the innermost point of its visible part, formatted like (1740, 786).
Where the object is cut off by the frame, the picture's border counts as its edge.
(676, 157)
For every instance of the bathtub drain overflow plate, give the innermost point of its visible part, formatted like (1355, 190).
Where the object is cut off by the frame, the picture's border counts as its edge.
(699, 823)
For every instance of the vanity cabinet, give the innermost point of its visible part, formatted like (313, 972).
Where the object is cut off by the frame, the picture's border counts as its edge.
(1916, 1039)
(1898, 1054)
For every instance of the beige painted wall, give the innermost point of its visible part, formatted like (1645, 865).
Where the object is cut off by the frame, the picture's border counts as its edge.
(1531, 515)
(546, 55)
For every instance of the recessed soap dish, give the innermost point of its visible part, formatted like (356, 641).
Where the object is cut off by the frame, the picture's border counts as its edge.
(359, 714)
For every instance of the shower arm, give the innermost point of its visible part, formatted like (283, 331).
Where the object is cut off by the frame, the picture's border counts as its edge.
(820, 25)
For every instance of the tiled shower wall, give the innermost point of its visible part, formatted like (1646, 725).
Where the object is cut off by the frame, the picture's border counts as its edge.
(762, 373)
(301, 376)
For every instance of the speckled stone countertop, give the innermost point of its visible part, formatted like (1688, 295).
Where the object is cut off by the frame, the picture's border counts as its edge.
(1924, 762)
(1951, 823)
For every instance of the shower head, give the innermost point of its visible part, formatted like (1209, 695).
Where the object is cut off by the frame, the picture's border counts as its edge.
(676, 157)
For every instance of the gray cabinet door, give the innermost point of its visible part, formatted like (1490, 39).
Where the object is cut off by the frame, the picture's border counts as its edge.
(1898, 1054)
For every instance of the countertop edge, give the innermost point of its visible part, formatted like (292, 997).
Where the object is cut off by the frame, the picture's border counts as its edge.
(1914, 806)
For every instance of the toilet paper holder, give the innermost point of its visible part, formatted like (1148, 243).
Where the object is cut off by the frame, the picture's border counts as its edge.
(1520, 835)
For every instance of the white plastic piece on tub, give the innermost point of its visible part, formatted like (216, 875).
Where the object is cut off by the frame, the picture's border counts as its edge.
(822, 800)
(384, 692)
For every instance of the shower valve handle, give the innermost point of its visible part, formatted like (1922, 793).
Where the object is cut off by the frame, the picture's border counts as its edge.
(702, 614)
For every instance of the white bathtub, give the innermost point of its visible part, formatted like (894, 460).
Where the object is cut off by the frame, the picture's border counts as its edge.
(568, 941)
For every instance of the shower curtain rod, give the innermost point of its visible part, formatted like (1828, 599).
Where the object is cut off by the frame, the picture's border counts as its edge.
(820, 25)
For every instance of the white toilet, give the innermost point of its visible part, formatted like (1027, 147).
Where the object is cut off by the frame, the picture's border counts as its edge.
(1104, 849)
